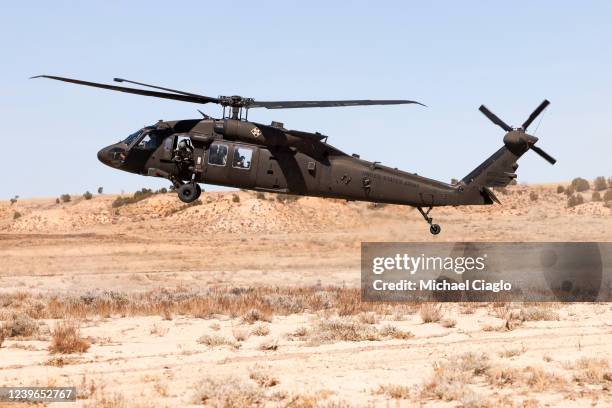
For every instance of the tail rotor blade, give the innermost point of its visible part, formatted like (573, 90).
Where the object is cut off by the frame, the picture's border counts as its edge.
(535, 113)
(544, 155)
(493, 118)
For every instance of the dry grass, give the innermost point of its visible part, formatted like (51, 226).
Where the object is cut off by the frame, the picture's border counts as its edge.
(260, 330)
(255, 315)
(591, 370)
(509, 353)
(252, 304)
(393, 332)
(538, 313)
(450, 377)
(394, 391)
(158, 330)
(215, 340)
(19, 325)
(269, 345)
(227, 392)
(431, 312)
(263, 376)
(66, 339)
(343, 329)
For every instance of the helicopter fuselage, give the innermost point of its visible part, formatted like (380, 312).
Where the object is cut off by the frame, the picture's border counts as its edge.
(270, 158)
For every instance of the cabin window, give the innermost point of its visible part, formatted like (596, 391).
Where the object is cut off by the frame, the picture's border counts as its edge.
(217, 154)
(242, 158)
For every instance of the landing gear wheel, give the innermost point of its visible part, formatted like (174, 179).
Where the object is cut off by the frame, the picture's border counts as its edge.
(198, 191)
(435, 229)
(188, 193)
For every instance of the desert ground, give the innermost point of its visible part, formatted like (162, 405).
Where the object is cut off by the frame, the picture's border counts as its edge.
(252, 299)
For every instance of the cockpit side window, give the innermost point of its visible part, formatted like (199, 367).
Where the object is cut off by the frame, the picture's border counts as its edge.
(150, 141)
(217, 154)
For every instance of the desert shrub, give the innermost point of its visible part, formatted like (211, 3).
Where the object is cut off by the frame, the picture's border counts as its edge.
(343, 329)
(260, 195)
(16, 215)
(100, 190)
(65, 198)
(533, 196)
(448, 323)
(609, 182)
(240, 333)
(608, 195)
(19, 325)
(431, 312)
(394, 391)
(87, 195)
(596, 196)
(260, 330)
(575, 200)
(57, 201)
(513, 182)
(580, 184)
(66, 339)
(14, 199)
(138, 196)
(535, 313)
(264, 378)
(560, 189)
(255, 315)
(162, 190)
(454, 181)
(227, 392)
(215, 340)
(389, 330)
(569, 190)
(235, 198)
(600, 183)
(269, 345)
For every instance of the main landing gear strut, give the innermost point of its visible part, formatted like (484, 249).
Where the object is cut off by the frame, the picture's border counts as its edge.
(433, 228)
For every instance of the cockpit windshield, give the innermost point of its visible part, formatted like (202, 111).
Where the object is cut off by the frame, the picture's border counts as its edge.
(134, 136)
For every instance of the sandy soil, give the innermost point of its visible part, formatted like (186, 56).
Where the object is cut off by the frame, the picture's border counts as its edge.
(242, 240)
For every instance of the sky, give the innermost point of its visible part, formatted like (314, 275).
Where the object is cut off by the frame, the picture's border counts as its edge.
(451, 56)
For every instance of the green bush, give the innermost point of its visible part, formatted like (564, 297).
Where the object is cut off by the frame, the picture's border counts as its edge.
(575, 200)
(596, 196)
(560, 189)
(65, 198)
(580, 184)
(600, 183)
(87, 195)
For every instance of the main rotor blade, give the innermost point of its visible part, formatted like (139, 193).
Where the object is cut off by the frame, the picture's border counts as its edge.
(493, 118)
(535, 113)
(327, 104)
(543, 154)
(156, 87)
(183, 98)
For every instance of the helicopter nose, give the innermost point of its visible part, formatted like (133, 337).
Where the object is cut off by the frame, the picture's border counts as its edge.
(104, 156)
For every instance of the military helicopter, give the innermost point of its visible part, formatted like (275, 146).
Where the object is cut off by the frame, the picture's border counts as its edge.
(234, 152)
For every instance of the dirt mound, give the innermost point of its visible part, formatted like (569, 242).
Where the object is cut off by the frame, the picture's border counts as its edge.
(249, 212)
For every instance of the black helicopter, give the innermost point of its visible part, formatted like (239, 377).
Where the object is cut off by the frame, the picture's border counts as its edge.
(235, 152)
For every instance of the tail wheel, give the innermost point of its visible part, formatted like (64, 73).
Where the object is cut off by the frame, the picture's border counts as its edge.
(188, 193)
(435, 229)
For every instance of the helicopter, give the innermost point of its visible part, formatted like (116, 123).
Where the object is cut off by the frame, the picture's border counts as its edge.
(235, 152)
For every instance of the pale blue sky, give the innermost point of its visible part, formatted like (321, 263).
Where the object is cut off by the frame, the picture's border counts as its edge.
(452, 56)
